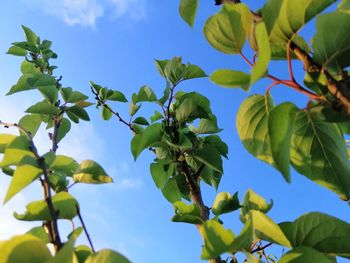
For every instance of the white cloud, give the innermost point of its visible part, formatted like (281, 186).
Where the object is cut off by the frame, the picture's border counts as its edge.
(86, 12)
(136, 9)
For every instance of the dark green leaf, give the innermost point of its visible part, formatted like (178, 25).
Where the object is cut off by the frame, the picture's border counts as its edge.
(63, 129)
(161, 174)
(171, 191)
(82, 252)
(106, 114)
(210, 156)
(141, 121)
(79, 112)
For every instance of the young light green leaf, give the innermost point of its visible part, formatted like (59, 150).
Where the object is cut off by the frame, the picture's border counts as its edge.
(304, 254)
(24, 248)
(244, 240)
(231, 79)
(217, 239)
(225, 203)
(281, 123)
(90, 172)
(187, 213)
(15, 151)
(82, 252)
(17, 51)
(40, 233)
(106, 114)
(30, 35)
(63, 202)
(157, 116)
(133, 108)
(324, 233)
(253, 201)
(107, 256)
(252, 126)
(30, 123)
(188, 10)
(151, 134)
(5, 139)
(318, 151)
(227, 31)
(266, 229)
(23, 176)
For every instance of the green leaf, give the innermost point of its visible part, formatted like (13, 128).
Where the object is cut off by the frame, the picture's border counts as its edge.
(16, 150)
(252, 126)
(50, 93)
(188, 10)
(225, 203)
(344, 6)
(71, 96)
(304, 254)
(40, 233)
(82, 252)
(264, 53)
(171, 191)
(79, 112)
(244, 240)
(330, 44)
(231, 79)
(207, 126)
(23, 176)
(318, 151)
(133, 108)
(192, 106)
(210, 156)
(217, 239)
(63, 129)
(5, 139)
(157, 116)
(117, 96)
(141, 121)
(227, 31)
(29, 67)
(22, 83)
(193, 72)
(284, 18)
(63, 202)
(43, 108)
(30, 123)
(319, 231)
(253, 201)
(281, 123)
(107, 256)
(106, 114)
(145, 94)
(279, 49)
(23, 249)
(17, 51)
(218, 143)
(161, 174)
(151, 134)
(266, 229)
(30, 35)
(187, 213)
(90, 172)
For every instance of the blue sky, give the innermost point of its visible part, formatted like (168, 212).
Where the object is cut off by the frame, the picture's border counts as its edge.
(114, 43)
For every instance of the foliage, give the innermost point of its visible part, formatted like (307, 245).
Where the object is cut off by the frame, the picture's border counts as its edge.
(56, 173)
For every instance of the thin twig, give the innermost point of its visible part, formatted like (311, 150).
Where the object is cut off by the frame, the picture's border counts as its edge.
(85, 229)
(261, 248)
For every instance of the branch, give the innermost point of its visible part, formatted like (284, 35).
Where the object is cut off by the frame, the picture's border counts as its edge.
(85, 229)
(260, 248)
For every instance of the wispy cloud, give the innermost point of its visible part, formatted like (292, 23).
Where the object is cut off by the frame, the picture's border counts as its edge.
(86, 12)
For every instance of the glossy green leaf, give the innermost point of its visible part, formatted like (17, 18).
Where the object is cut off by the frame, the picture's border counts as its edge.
(17, 51)
(5, 139)
(187, 213)
(30, 35)
(217, 239)
(252, 126)
(161, 174)
(151, 134)
(171, 191)
(281, 123)
(24, 249)
(43, 108)
(30, 123)
(284, 18)
(63, 129)
(319, 231)
(107, 256)
(266, 229)
(253, 201)
(227, 31)
(188, 10)
(210, 156)
(141, 121)
(304, 254)
(231, 79)
(264, 53)
(318, 151)
(331, 47)
(63, 202)
(23, 176)
(106, 114)
(90, 172)
(79, 112)
(225, 203)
